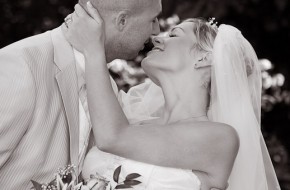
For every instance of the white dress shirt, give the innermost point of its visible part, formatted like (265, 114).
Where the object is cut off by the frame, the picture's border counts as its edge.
(84, 116)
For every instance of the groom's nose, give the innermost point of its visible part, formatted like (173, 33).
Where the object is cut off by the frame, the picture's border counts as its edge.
(156, 28)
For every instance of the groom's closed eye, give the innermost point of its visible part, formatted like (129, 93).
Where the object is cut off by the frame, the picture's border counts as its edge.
(155, 18)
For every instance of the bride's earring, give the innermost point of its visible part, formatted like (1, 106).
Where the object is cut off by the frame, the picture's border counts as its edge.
(198, 63)
(202, 64)
(205, 61)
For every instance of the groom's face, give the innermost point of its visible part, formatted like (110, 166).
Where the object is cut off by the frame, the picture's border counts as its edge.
(127, 43)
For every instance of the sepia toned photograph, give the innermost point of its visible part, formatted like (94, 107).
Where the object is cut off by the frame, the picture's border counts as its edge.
(144, 95)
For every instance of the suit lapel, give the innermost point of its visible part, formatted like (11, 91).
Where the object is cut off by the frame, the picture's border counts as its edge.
(68, 86)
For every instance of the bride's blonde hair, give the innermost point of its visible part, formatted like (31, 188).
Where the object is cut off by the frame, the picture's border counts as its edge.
(205, 34)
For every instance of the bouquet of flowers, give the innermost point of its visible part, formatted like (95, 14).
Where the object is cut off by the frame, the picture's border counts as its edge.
(66, 179)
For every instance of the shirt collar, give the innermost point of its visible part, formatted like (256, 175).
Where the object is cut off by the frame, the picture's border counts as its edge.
(80, 66)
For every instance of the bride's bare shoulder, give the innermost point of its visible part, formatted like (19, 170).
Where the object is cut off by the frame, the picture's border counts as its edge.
(216, 127)
(225, 145)
(229, 133)
(223, 134)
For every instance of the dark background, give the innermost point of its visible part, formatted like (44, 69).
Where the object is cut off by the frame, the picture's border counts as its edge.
(265, 23)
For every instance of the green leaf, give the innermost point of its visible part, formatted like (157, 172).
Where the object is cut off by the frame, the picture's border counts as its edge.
(116, 174)
(36, 185)
(123, 186)
(132, 182)
(132, 176)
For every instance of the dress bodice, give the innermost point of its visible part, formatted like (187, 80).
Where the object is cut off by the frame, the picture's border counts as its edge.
(152, 177)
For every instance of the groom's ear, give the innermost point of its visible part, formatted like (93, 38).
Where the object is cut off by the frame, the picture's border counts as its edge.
(121, 20)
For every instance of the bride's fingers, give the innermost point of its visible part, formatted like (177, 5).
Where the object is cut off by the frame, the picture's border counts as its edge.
(80, 11)
(64, 25)
(66, 32)
(68, 16)
(64, 28)
(75, 17)
(76, 11)
(70, 19)
(94, 13)
(68, 24)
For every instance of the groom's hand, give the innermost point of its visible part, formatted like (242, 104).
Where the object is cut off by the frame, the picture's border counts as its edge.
(85, 31)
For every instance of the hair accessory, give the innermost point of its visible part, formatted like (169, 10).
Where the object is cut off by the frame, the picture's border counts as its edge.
(212, 22)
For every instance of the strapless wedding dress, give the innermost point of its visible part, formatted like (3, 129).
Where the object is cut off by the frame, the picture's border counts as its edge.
(152, 177)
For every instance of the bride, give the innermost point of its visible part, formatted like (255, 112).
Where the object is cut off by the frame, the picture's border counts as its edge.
(206, 133)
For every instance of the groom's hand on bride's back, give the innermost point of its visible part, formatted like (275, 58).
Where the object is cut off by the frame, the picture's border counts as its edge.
(85, 30)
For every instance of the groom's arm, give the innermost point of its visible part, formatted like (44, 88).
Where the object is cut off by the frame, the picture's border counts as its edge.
(17, 99)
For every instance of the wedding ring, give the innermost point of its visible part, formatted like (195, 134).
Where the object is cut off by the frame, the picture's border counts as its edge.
(65, 24)
(67, 20)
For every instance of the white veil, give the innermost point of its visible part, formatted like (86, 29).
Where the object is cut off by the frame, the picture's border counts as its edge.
(235, 100)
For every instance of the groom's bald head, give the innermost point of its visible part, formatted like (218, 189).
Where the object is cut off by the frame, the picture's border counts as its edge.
(128, 25)
(109, 6)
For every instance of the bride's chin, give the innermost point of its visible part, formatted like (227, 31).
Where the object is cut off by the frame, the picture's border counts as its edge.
(148, 62)
(152, 77)
(145, 64)
(150, 70)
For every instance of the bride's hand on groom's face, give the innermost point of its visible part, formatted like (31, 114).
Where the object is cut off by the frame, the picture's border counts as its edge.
(85, 31)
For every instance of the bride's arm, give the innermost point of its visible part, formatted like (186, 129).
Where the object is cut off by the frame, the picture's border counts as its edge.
(202, 146)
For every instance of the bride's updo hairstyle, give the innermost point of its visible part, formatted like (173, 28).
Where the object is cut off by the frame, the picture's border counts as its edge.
(205, 34)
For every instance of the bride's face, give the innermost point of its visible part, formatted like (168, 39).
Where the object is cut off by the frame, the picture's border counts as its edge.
(171, 53)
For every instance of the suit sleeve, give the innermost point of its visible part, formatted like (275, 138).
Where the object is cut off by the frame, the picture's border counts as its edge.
(17, 101)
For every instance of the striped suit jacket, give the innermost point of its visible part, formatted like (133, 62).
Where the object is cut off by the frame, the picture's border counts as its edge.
(38, 110)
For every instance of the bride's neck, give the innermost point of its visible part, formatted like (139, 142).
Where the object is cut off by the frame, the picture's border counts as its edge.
(184, 102)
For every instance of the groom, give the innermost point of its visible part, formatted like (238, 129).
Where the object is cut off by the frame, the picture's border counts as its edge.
(44, 123)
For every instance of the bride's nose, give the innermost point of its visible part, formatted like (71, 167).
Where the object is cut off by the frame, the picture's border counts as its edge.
(157, 40)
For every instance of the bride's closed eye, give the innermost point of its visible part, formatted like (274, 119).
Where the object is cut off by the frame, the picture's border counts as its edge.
(175, 32)
(172, 35)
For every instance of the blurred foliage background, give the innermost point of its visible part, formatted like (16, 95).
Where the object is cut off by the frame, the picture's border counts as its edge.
(265, 23)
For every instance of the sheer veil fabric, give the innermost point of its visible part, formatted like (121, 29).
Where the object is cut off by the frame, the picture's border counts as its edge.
(235, 100)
